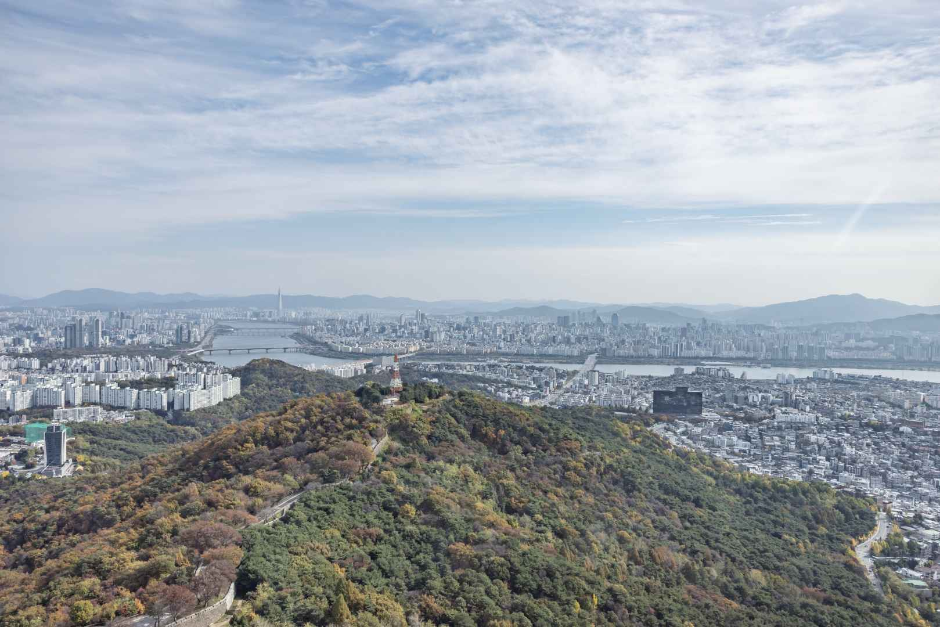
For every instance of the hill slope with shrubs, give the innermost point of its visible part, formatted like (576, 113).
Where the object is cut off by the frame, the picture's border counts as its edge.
(478, 513)
(483, 513)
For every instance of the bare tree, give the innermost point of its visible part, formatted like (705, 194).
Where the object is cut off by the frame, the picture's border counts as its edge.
(210, 581)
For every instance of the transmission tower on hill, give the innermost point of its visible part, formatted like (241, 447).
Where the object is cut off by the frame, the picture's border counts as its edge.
(396, 385)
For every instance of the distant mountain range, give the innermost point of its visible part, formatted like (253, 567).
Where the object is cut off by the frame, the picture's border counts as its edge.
(648, 315)
(110, 298)
(95, 298)
(922, 323)
(825, 309)
(814, 311)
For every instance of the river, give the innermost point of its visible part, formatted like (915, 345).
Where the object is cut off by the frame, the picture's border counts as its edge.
(753, 372)
(756, 372)
(240, 359)
(654, 370)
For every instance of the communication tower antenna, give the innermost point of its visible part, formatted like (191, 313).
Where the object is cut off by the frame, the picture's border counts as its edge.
(396, 384)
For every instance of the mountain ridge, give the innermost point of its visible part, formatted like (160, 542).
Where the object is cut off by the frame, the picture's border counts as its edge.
(820, 310)
(826, 309)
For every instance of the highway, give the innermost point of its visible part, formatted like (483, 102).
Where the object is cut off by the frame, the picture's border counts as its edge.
(589, 364)
(863, 550)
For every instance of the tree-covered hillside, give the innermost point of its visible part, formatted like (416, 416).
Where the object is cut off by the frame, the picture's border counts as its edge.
(489, 514)
(478, 513)
(126, 542)
(106, 446)
(266, 384)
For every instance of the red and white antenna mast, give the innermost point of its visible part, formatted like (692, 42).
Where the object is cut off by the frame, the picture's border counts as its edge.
(396, 384)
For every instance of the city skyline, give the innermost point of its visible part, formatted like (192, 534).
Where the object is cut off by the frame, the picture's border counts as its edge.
(723, 148)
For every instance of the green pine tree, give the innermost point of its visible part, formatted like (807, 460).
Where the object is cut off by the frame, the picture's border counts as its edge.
(339, 613)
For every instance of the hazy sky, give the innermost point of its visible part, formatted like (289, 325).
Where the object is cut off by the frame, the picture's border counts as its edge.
(744, 151)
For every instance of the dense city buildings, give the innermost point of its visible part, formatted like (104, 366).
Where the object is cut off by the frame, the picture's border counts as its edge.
(613, 338)
(109, 380)
(45, 329)
(609, 334)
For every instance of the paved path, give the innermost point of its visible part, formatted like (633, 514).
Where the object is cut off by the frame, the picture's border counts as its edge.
(863, 551)
(270, 514)
(267, 516)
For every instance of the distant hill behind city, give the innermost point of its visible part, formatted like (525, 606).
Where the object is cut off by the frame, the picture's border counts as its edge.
(825, 309)
(922, 323)
(814, 311)
(652, 315)
(94, 298)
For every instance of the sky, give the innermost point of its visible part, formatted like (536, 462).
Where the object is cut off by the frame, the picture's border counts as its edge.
(742, 151)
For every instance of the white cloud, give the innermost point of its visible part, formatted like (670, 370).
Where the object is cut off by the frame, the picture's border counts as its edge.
(164, 113)
(802, 15)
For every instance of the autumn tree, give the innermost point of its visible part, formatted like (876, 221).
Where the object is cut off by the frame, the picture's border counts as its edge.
(350, 458)
(179, 601)
(162, 600)
(82, 612)
(210, 580)
(204, 535)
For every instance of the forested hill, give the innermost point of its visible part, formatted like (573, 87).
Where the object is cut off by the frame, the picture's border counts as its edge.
(266, 385)
(485, 513)
(478, 513)
(131, 542)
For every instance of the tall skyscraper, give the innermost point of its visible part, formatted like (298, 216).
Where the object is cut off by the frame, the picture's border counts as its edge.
(55, 445)
(79, 333)
(615, 319)
(94, 334)
(183, 333)
(70, 336)
(280, 303)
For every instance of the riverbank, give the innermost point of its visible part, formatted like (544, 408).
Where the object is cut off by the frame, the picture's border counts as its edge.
(312, 347)
(320, 349)
(644, 361)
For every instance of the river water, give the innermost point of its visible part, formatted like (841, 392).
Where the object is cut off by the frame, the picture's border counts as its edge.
(660, 370)
(654, 370)
(240, 359)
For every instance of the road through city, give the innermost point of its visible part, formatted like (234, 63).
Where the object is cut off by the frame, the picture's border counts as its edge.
(863, 551)
(588, 365)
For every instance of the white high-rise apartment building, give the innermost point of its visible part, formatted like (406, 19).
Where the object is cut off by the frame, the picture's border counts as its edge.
(119, 397)
(49, 397)
(20, 400)
(73, 394)
(155, 400)
(91, 393)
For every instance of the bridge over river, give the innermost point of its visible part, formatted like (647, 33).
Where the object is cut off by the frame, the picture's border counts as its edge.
(249, 349)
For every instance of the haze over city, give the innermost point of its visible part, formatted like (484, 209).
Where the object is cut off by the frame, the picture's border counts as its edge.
(745, 152)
